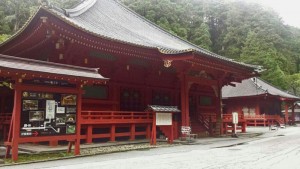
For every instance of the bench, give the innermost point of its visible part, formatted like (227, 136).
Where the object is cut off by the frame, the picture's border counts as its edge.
(190, 137)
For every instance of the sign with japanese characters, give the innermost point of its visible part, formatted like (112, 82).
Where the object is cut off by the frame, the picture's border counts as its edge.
(235, 118)
(48, 114)
(163, 119)
(186, 129)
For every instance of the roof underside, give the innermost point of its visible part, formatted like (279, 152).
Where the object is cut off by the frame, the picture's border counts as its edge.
(254, 87)
(110, 19)
(22, 64)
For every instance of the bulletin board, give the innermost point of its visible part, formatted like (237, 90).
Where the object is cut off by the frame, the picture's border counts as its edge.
(48, 114)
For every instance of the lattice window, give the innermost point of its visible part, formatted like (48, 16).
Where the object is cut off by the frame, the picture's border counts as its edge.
(131, 100)
(161, 98)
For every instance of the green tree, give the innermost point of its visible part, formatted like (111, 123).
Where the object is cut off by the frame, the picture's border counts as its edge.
(260, 51)
(201, 37)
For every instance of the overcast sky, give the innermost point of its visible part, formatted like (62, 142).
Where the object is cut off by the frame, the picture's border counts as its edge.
(289, 10)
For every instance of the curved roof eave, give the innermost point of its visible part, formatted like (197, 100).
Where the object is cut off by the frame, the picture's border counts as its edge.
(58, 14)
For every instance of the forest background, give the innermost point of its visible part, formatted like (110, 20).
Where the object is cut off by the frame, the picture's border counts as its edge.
(239, 30)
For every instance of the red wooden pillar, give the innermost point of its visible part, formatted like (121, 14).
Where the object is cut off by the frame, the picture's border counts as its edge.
(132, 132)
(113, 133)
(293, 114)
(171, 134)
(187, 104)
(78, 124)
(184, 101)
(244, 127)
(286, 113)
(148, 131)
(53, 143)
(219, 108)
(153, 135)
(89, 134)
(16, 119)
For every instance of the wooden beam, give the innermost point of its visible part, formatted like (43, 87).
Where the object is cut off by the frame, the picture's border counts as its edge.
(201, 81)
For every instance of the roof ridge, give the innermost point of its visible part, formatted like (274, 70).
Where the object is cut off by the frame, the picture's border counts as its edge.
(278, 88)
(80, 8)
(93, 33)
(158, 27)
(257, 87)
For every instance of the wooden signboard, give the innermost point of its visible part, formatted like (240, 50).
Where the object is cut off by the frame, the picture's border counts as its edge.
(163, 119)
(235, 118)
(47, 114)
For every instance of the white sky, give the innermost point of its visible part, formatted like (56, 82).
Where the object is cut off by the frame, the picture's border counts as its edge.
(289, 10)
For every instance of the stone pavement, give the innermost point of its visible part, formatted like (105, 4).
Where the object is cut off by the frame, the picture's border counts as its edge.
(253, 133)
(38, 148)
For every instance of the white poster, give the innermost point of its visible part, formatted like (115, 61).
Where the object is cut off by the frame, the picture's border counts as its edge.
(235, 118)
(60, 110)
(50, 109)
(163, 119)
(185, 129)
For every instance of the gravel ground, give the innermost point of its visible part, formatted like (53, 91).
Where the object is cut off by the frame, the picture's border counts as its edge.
(122, 148)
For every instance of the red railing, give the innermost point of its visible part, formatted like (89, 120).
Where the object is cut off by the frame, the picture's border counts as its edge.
(108, 117)
(263, 116)
(255, 116)
(228, 117)
(266, 119)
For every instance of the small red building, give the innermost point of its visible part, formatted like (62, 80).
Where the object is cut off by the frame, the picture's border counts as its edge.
(145, 66)
(257, 102)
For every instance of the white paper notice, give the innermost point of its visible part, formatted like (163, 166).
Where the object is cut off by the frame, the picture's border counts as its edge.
(60, 110)
(163, 119)
(50, 109)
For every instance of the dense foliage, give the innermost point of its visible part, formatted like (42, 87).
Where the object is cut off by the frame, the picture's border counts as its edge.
(243, 31)
(239, 30)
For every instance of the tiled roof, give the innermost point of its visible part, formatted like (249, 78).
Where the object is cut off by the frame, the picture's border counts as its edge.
(112, 20)
(16, 63)
(158, 108)
(252, 87)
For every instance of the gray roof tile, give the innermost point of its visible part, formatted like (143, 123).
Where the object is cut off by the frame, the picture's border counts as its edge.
(110, 19)
(252, 87)
(158, 108)
(17, 63)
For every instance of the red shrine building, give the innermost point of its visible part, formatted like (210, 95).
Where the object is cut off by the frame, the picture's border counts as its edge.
(258, 103)
(139, 65)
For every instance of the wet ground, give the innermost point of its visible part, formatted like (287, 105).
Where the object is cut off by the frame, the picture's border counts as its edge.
(273, 149)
